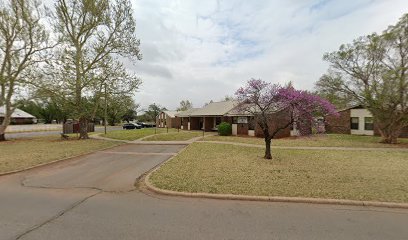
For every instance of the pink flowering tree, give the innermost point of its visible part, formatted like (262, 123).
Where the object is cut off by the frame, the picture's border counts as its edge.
(276, 108)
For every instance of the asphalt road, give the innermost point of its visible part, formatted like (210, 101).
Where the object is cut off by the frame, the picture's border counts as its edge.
(50, 133)
(94, 197)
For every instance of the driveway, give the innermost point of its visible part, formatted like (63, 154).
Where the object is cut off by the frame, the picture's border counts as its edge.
(95, 197)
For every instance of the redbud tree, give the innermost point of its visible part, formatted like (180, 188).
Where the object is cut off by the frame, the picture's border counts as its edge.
(266, 101)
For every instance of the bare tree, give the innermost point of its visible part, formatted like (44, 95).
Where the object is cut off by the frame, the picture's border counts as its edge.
(24, 42)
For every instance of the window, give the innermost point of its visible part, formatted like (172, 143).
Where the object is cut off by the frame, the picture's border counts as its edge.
(368, 123)
(354, 123)
(235, 120)
(217, 121)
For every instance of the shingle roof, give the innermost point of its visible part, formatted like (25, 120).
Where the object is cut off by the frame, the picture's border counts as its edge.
(170, 113)
(237, 111)
(18, 113)
(215, 109)
(186, 113)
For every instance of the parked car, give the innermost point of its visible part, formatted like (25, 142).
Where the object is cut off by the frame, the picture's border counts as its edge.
(131, 126)
(147, 125)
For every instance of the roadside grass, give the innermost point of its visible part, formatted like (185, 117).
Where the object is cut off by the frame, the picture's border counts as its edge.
(175, 136)
(135, 134)
(326, 140)
(337, 174)
(23, 153)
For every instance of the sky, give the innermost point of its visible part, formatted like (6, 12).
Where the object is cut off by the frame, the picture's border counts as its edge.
(205, 50)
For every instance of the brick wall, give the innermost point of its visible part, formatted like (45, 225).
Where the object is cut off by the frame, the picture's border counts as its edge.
(276, 120)
(227, 119)
(208, 124)
(185, 123)
(340, 124)
(195, 123)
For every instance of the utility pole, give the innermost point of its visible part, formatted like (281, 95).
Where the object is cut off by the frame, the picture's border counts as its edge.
(106, 109)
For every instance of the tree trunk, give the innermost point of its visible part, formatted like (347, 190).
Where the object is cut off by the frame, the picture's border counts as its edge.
(3, 127)
(268, 154)
(83, 128)
(2, 134)
(390, 133)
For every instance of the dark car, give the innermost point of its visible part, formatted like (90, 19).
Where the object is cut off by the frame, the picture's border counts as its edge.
(147, 125)
(131, 126)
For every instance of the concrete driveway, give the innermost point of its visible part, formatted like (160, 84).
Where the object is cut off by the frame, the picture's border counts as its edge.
(94, 197)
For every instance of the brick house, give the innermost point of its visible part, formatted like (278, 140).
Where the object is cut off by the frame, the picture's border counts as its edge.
(355, 120)
(243, 124)
(208, 117)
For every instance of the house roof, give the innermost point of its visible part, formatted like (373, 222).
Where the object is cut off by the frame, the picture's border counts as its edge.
(18, 113)
(186, 113)
(246, 110)
(171, 113)
(357, 106)
(215, 109)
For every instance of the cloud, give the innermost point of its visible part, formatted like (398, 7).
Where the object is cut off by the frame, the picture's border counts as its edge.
(204, 50)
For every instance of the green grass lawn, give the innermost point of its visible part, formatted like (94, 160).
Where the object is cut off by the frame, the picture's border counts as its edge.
(23, 153)
(229, 169)
(135, 134)
(175, 136)
(327, 140)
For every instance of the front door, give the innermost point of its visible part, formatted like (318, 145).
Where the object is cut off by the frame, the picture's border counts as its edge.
(242, 129)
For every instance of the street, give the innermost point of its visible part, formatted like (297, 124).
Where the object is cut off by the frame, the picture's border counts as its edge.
(95, 197)
(18, 135)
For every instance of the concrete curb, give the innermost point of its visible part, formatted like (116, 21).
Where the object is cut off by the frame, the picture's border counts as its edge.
(55, 161)
(157, 190)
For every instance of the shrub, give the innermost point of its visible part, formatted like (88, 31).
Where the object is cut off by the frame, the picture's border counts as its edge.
(224, 129)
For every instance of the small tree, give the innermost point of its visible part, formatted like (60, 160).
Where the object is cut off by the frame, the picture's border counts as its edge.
(153, 111)
(185, 105)
(266, 101)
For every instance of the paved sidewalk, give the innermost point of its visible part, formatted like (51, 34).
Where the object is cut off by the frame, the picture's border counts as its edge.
(309, 148)
(199, 140)
(141, 142)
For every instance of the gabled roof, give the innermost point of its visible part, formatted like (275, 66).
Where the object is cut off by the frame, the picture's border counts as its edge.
(237, 111)
(357, 106)
(170, 113)
(186, 113)
(18, 113)
(215, 109)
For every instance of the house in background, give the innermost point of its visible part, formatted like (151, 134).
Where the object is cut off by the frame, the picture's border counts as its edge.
(355, 120)
(208, 117)
(167, 119)
(243, 124)
(18, 117)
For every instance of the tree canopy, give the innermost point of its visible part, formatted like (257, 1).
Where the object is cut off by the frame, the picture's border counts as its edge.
(266, 100)
(24, 45)
(373, 70)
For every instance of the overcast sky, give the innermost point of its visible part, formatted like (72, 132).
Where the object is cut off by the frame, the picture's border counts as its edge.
(204, 50)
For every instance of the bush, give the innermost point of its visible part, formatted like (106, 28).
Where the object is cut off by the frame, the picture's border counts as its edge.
(224, 129)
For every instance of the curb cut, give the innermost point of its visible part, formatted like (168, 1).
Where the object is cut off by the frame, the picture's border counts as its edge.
(55, 161)
(280, 199)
